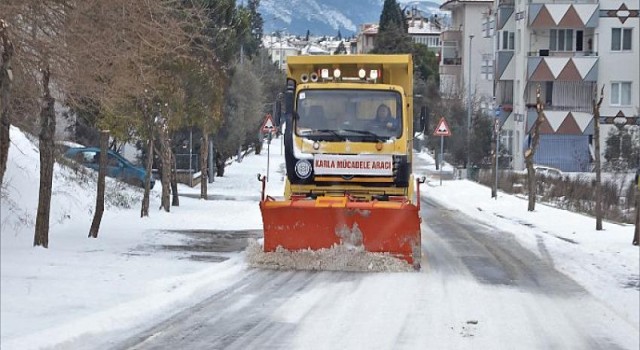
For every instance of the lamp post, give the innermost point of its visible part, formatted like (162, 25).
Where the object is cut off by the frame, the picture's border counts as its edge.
(280, 54)
(469, 107)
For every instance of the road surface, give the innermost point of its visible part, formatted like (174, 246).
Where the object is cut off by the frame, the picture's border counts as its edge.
(478, 288)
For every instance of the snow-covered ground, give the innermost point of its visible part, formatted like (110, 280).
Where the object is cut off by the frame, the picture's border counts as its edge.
(81, 286)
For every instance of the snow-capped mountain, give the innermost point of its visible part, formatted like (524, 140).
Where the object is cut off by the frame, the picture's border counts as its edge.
(326, 17)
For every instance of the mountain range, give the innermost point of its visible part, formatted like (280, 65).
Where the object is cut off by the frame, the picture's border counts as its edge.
(327, 17)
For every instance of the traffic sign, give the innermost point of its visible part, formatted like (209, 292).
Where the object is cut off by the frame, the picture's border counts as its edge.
(268, 125)
(442, 129)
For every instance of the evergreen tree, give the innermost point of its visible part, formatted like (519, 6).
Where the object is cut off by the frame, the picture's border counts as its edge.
(393, 36)
(306, 38)
(391, 13)
(341, 49)
(339, 35)
(394, 39)
(256, 22)
(425, 62)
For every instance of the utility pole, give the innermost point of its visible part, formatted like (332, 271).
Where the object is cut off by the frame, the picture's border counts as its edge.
(469, 108)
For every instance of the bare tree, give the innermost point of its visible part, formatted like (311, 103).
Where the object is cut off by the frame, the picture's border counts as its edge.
(46, 145)
(144, 211)
(175, 199)
(494, 160)
(636, 234)
(596, 136)
(204, 164)
(165, 160)
(102, 173)
(530, 152)
(6, 77)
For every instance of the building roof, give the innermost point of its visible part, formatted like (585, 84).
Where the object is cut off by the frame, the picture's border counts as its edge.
(447, 5)
(423, 27)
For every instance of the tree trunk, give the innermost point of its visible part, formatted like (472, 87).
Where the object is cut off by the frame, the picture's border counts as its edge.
(636, 235)
(147, 180)
(204, 165)
(46, 145)
(5, 92)
(175, 201)
(494, 159)
(530, 152)
(220, 164)
(596, 136)
(165, 159)
(102, 173)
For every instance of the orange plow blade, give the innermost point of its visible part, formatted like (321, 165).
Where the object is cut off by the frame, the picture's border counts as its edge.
(378, 226)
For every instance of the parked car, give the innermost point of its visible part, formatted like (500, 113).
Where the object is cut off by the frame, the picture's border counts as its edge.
(546, 171)
(117, 166)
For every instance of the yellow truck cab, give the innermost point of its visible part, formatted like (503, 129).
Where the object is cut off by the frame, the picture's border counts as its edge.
(335, 144)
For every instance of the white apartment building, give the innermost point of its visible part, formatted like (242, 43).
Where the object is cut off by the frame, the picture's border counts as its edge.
(465, 47)
(424, 30)
(421, 29)
(567, 50)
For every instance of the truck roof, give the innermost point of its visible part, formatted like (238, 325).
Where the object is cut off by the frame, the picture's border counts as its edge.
(392, 69)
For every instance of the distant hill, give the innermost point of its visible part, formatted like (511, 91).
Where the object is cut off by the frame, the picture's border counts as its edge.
(326, 17)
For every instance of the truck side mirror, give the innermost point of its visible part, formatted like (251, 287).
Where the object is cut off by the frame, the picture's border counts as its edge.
(278, 112)
(420, 124)
(288, 97)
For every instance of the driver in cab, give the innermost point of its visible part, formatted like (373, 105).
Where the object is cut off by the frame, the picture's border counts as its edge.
(384, 120)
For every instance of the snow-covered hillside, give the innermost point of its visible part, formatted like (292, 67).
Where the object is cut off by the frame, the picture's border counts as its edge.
(326, 17)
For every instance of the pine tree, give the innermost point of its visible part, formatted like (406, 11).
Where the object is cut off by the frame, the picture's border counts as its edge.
(392, 33)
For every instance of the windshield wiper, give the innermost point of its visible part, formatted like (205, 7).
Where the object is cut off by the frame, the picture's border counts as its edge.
(332, 132)
(366, 133)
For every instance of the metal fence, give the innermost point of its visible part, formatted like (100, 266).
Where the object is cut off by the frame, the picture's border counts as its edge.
(186, 161)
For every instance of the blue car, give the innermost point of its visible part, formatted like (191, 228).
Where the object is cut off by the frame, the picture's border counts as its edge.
(117, 166)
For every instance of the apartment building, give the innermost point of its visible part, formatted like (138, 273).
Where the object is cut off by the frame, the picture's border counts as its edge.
(421, 29)
(467, 46)
(566, 50)
(424, 30)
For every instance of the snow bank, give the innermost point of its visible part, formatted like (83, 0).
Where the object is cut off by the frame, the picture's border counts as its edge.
(337, 258)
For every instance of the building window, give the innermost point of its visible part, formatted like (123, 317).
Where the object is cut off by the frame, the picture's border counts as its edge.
(486, 70)
(508, 40)
(621, 93)
(621, 39)
(487, 27)
(561, 40)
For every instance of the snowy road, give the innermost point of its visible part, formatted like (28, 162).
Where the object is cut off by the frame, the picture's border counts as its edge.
(478, 289)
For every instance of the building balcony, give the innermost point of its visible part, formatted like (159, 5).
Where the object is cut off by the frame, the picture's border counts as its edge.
(549, 53)
(558, 68)
(452, 61)
(566, 122)
(563, 2)
(451, 35)
(506, 3)
(455, 70)
(550, 14)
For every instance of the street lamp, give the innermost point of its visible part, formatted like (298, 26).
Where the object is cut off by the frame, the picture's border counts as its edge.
(469, 106)
(280, 54)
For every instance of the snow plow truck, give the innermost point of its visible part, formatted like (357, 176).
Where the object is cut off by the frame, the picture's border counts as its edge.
(348, 133)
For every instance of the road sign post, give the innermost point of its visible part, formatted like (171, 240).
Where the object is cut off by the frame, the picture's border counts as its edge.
(268, 127)
(442, 130)
(441, 156)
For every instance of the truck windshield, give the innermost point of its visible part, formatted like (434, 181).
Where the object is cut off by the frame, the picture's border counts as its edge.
(349, 114)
